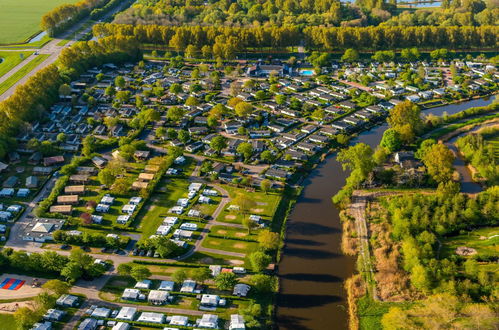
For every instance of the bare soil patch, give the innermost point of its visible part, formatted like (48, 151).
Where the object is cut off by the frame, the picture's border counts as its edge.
(240, 234)
(257, 210)
(240, 245)
(221, 231)
(230, 217)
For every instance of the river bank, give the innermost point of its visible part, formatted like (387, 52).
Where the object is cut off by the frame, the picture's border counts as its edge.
(313, 268)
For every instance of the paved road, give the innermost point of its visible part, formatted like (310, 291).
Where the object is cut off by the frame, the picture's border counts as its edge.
(52, 49)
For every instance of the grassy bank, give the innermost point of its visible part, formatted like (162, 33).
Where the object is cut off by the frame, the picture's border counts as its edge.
(22, 72)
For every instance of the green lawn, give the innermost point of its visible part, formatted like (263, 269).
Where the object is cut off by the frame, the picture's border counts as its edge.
(22, 72)
(8, 322)
(231, 232)
(19, 20)
(10, 60)
(484, 240)
(230, 245)
(266, 205)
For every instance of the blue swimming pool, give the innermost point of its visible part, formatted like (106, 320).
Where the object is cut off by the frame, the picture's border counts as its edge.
(307, 72)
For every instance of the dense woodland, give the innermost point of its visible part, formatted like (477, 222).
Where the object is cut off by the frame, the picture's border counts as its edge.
(481, 154)
(306, 13)
(225, 42)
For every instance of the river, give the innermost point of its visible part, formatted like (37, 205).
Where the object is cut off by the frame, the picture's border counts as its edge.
(313, 269)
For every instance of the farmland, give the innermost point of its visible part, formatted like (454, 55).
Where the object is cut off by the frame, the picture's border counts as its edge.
(20, 20)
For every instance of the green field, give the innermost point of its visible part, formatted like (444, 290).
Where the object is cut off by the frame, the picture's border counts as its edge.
(19, 20)
(22, 72)
(484, 240)
(10, 60)
(8, 322)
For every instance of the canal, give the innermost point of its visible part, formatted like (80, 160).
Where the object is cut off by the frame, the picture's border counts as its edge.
(313, 269)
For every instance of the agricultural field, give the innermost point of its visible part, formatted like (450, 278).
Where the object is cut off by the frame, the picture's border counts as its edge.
(9, 60)
(19, 20)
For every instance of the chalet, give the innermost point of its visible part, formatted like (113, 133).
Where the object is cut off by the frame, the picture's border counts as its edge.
(11, 182)
(308, 147)
(99, 162)
(75, 190)
(62, 209)
(68, 199)
(318, 138)
(347, 105)
(79, 178)
(308, 129)
(50, 161)
(141, 154)
(31, 182)
(35, 158)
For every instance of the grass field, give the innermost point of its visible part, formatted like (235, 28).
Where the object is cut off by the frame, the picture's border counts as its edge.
(484, 240)
(7, 321)
(10, 60)
(19, 20)
(21, 73)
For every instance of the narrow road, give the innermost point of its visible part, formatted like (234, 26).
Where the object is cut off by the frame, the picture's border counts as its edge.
(53, 50)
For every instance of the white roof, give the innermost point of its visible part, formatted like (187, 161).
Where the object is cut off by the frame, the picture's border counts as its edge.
(101, 312)
(179, 320)
(166, 285)
(121, 326)
(126, 313)
(188, 286)
(236, 322)
(208, 321)
(42, 227)
(158, 295)
(144, 284)
(151, 317)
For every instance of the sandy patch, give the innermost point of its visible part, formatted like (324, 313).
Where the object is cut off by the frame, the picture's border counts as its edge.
(221, 231)
(25, 291)
(241, 234)
(236, 262)
(257, 210)
(240, 245)
(262, 203)
(230, 217)
(214, 243)
(13, 306)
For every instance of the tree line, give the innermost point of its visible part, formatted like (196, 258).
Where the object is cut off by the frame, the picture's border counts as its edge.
(31, 100)
(225, 42)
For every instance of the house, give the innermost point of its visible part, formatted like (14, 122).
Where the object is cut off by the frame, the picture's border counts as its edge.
(166, 285)
(158, 297)
(79, 178)
(67, 300)
(131, 294)
(236, 322)
(39, 170)
(74, 190)
(97, 218)
(107, 199)
(163, 230)
(144, 284)
(208, 321)
(126, 313)
(150, 317)
(22, 193)
(188, 286)
(54, 315)
(7, 192)
(31, 182)
(62, 209)
(50, 161)
(99, 162)
(211, 300)
(185, 234)
(179, 320)
(68, 199)
(128, 208)
(11, 182)
(141, 154)
(88, 324)
(101, 312)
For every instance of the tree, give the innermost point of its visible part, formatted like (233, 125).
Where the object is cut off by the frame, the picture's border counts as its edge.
(267, 156)
(61, 137)
(120, 82)
(259, 260)
(174, 114)
(71, 272)
(263, 283)
(357, 157)
(438, 160)
(243, 109)
(391, 140)
(265, 185)
(424, 147)
(64, 90)
(249, 224)
(140, 273)
(106, 177)
(226, 281)
(268, 240)
(280, 99)
(397, 319)
(405, 118)
(179, 276)
(244, 203)
(218, 143)
(419, 278)
(56, 287)
(201, 274)
(191, 101)
(191, 51)
(25, 317)
(350, 55)
(175, 88)
(218, 111)
(124, 269)
(183, 136)
(245, 149)
(121, 186)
